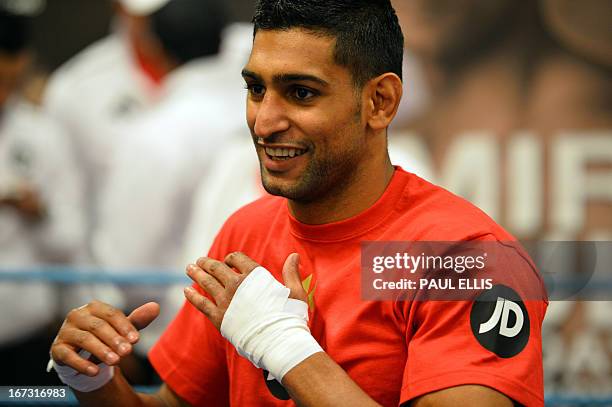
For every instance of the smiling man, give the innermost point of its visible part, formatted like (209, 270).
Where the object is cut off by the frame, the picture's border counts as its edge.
(324, 83)
(320, 139)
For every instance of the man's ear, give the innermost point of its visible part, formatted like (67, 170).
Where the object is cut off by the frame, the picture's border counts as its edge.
(383, 95)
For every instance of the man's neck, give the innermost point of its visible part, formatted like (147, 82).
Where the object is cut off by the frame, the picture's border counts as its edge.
(360, 192)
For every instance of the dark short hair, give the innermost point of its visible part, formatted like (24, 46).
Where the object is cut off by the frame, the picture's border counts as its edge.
(189, 29)
(13, 33)
(369, 40)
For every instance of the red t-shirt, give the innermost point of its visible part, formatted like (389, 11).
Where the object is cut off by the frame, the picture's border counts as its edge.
(395, 351)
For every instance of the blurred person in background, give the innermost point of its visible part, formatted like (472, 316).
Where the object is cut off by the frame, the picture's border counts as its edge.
(40, 198)
(162, 153)
(519, 122)
(110, 82)
(107, 83)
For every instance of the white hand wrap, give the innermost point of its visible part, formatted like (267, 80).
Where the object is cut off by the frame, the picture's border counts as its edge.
(266, 326)
(81, 382)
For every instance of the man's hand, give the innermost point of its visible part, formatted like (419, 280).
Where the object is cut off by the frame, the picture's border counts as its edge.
(298, 362)
(27, 202)
(221, 282)
(103, 331)
(266, 321)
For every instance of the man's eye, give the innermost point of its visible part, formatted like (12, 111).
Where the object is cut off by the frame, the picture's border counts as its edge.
(303, 93)
(256, 90)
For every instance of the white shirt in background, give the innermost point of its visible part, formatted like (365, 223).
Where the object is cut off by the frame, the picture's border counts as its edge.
(89, 95)
(157, 165)
(35, 152)
(234, 181)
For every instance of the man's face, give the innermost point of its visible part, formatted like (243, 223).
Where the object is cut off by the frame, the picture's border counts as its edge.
(12, 68)
(304, 114)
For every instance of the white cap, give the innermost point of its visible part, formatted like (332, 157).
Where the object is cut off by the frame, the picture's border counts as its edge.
(28, 8)
(143, 7)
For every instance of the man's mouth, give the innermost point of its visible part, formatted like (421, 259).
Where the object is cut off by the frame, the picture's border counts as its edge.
(283, 153)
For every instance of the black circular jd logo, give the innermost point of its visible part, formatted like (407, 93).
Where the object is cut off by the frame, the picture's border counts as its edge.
(500, 322)
(275, 387)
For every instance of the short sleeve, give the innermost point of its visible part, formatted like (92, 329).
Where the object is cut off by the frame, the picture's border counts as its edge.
(494, 341)
(190, 358)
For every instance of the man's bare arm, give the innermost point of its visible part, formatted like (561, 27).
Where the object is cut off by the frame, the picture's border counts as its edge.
(309, 383)
(118, 392)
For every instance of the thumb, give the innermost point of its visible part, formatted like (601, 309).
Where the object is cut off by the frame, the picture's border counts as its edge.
(142, 316)
(291, 277)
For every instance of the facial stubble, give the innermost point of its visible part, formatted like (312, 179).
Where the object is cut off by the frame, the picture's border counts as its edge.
(323, 176)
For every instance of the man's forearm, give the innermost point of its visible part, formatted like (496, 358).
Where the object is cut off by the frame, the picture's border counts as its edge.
(309, 384)
(118, 392)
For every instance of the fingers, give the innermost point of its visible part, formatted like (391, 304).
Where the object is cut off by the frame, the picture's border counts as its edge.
(116, 318)
(221, 282)
(80, 339)
(218, 280)
(103, 331)
(241, 262)
(142, 316)
(66, 355)
(291, 277)
(218, 270)
(209, 283)
(206, 306)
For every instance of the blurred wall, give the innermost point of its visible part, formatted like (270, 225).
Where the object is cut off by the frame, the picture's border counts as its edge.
(67, 26)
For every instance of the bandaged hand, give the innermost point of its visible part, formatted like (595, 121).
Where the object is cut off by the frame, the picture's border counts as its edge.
(266, 321)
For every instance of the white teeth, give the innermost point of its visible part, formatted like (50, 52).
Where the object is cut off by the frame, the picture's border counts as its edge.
(284, 152)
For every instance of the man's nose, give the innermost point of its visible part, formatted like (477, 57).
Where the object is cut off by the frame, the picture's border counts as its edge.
(271, 116)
